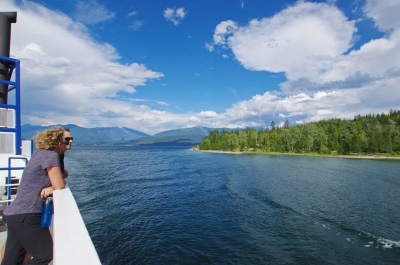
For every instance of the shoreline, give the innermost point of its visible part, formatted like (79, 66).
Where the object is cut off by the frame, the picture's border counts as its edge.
(366, 157)
(217, 151)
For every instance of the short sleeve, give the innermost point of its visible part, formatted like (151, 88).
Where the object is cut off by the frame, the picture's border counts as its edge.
(51, 160)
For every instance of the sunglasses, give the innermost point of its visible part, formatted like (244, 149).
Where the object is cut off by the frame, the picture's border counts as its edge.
(66, 140)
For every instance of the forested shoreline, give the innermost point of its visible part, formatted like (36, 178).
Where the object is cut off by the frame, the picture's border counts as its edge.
(364, 135)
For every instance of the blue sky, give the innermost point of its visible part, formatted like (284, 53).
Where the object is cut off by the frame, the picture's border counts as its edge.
(160, 65)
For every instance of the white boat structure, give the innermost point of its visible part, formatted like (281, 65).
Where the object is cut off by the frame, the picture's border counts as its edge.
(72, 243)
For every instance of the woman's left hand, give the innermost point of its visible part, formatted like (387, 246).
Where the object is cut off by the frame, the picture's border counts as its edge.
(65, 174)
(46, 192)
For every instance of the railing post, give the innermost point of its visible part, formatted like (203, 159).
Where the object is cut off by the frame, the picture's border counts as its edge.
(18, 133)
(10, 168)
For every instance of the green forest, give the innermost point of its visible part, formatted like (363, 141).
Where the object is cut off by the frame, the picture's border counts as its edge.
(372, 134)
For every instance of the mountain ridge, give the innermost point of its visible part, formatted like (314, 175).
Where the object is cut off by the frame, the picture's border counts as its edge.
(124, 136)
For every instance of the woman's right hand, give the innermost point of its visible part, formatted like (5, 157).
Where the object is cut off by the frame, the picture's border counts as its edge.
(46, 192)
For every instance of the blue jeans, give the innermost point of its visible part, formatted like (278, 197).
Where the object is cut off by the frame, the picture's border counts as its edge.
(25, 235)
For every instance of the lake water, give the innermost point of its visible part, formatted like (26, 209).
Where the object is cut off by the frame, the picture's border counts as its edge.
(178, 206)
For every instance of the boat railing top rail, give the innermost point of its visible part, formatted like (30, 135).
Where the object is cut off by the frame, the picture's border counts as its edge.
(72, 243)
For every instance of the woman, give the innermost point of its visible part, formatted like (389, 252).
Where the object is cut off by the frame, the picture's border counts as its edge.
(40, 178)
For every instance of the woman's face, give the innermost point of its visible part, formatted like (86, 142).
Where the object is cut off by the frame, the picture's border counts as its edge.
(68, 139)
(65, 144)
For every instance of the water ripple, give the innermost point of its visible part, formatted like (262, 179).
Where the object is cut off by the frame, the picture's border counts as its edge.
(174, 206)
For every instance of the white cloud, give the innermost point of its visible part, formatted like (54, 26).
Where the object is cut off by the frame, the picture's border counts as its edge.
(132, 13)
(376, 60)
(162, 103)
(223, 31)
(194, 119)
(209, 47)
(136, 25)
(175, 15)
(288, 39)
(384, 13)
(208, 114)
(91, 12)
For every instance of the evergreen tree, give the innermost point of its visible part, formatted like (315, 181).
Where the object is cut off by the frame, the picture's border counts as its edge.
(367, 134)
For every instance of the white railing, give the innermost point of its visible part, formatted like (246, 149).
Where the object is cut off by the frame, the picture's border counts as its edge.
(11, 166)
(72, 243)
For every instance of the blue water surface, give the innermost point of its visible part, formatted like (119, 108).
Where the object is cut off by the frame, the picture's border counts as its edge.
(166, 205)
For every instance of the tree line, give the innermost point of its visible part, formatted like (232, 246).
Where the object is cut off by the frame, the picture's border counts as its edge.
(369, 134)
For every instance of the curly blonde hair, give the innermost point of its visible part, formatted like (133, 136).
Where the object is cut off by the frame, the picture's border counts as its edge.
(49, 139)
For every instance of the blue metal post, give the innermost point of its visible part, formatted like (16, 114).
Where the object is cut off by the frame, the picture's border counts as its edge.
(18, 141)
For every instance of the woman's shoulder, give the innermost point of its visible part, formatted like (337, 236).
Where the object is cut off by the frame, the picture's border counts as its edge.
(44, 157)
(44, 152)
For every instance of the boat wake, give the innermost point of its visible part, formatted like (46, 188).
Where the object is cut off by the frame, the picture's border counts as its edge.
(367, 239)
(380, 242)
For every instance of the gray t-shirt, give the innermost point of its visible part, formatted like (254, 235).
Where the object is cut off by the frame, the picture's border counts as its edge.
(34, 179)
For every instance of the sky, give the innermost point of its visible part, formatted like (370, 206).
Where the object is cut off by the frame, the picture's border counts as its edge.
(161, 65)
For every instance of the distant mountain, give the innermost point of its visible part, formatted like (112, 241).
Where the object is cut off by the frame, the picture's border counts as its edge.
(126, 136)
(188, 131)
(89, 136)
(179, 140)
(178, 137)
